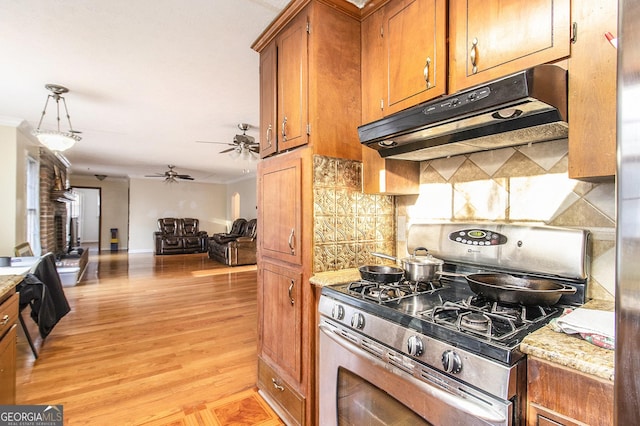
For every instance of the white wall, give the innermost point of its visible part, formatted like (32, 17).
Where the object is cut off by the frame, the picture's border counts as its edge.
(15, 144)
(115, 207)
(153, 199)
(248, 202)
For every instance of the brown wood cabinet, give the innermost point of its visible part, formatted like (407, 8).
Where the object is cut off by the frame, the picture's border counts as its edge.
(493, 38)
(268, 101)
(592, 92)
(381, 176)
(292, 83)
(285, 322)
(311, 54)
(403, 64)
(403, 56)
(280, 296)
(8, 318)
(317, 85)
(280, 209)
(561, 396)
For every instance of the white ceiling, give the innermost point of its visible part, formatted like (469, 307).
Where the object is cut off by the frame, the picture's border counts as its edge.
(147, 79)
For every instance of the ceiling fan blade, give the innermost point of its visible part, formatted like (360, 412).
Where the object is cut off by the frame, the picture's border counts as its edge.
(185, 177)
(227, 150)
(156, 175)
(220, 143)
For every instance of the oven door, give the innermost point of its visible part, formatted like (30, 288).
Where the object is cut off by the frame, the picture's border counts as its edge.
(357, 387)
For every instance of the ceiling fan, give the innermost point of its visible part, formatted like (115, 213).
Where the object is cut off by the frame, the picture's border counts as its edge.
(171, 175)
(242, 144)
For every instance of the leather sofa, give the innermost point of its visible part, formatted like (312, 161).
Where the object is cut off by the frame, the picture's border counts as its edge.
(178, 236)
(238, 246)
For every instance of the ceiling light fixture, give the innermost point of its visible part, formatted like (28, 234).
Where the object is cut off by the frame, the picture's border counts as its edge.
(56, 140)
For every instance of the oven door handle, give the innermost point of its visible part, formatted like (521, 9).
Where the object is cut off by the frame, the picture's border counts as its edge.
(452, 400)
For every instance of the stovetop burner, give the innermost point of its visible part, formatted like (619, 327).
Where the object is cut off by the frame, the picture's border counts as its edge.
(385, 292)
(449, 310)
(490, 320)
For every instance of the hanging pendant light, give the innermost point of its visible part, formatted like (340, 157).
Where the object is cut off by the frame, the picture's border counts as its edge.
(56, 140)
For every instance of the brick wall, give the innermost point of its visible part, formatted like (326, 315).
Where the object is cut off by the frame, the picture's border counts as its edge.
(52, 181)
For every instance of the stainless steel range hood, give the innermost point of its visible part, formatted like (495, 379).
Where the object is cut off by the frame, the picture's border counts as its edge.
(523, 108)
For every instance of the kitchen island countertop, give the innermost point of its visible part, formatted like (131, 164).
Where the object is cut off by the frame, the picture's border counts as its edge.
(571, 351)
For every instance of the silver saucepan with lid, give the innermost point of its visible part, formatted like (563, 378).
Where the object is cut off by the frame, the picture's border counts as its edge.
(424, 268)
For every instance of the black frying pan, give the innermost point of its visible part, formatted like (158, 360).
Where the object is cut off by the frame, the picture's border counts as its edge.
(381, 274)
(507, 288)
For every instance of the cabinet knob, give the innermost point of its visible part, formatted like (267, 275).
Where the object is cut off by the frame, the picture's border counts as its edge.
(5, 320)
(473, 55)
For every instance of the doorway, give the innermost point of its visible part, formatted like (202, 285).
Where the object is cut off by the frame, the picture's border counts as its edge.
(87, 212)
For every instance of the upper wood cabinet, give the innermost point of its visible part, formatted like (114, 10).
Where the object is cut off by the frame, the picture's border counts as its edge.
(310, 60)
(493, 38)
(592, 91)
(268, 101)
(403, 56)
(292, 84)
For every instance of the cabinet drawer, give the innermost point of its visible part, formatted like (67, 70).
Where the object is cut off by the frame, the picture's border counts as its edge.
(279, 392)
(8, 313)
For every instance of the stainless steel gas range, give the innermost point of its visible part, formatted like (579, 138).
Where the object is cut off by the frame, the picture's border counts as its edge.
(439, 352)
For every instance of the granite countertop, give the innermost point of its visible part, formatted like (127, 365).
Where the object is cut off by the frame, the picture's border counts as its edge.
(8, 284)
(571, 351)
(335, 277)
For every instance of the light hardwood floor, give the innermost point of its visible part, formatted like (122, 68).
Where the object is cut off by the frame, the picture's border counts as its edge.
(147, 336)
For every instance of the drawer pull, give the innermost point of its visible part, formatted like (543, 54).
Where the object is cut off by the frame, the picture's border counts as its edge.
(5, 320)
(277, 386)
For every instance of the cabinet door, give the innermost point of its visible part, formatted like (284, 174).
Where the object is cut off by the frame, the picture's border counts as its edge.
(268, 98)
(280, 213)
(414, 38)
(281, 327)
(493, 38)
(373, 72)
(592, 92)
(8, 367)
(292, 84)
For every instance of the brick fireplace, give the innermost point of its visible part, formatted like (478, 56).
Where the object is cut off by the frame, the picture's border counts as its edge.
(53, 203)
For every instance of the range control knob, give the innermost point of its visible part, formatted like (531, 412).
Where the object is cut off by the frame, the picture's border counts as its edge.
(357, 321)
(451, 362)
(337, 312)
(415, 347)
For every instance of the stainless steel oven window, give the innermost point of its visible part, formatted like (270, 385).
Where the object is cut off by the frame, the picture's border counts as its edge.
(362, 403)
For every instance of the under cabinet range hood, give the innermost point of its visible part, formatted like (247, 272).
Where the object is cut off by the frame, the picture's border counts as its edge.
(523, 108)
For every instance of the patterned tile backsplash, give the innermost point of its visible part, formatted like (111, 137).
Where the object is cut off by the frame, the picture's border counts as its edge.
(348, 225)
(523, 184)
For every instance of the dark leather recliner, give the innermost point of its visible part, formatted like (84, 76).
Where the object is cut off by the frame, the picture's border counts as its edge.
(177, 236)
(237, 247)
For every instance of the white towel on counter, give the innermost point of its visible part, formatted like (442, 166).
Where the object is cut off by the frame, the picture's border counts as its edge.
(589, 321)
